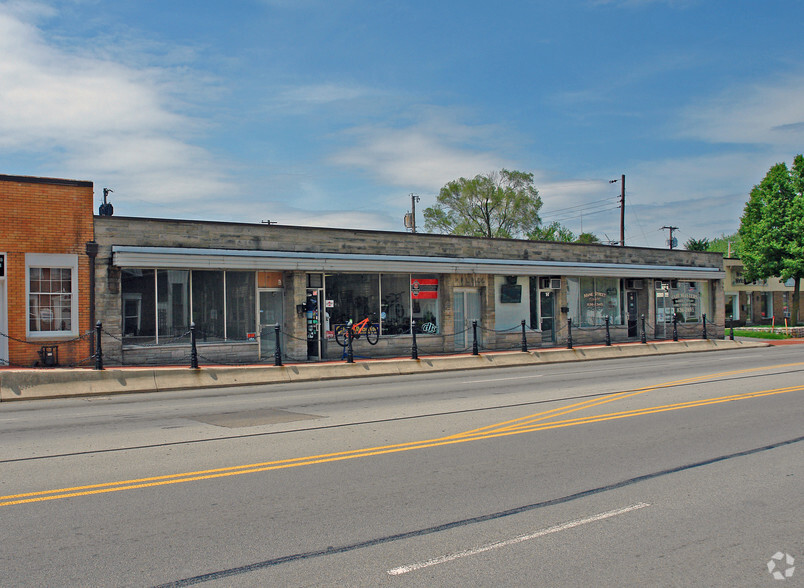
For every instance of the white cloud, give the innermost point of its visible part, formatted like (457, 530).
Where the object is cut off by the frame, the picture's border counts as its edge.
(96, 118)
(422, 156)
(769, 112)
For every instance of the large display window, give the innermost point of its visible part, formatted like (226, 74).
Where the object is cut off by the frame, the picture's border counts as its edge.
(592, 299)
(390, 300)
(687, 300)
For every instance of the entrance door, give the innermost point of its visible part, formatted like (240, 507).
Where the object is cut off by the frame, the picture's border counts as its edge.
(270, 314)
(547, 308)
(3, 325)
(466, 304)
(313, 314)
(632, 312)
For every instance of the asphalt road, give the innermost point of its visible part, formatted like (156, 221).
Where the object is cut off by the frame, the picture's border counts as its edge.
(675, 470)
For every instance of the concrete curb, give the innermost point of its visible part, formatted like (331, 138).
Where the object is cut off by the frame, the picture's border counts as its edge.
(61, 383)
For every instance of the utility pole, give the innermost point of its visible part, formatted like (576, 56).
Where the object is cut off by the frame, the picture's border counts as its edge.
(410, 218)
(622, 208)
(670, 240)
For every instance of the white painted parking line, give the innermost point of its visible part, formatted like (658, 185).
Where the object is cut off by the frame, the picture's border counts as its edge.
(555, 529)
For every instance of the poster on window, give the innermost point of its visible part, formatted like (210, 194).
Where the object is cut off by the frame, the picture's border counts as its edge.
(424, 288)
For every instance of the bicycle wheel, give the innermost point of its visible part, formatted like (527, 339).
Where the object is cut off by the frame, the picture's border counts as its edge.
(372, 334)
(341, 335)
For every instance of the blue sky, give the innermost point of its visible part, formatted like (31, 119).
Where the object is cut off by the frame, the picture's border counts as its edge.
(331, 112)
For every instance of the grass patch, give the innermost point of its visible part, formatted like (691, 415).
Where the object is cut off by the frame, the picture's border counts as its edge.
(758, 334)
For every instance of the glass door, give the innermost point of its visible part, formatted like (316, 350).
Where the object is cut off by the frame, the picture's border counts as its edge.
(270, 314)
(466, 305)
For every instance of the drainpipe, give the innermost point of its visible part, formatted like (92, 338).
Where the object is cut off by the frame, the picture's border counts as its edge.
(92, 252)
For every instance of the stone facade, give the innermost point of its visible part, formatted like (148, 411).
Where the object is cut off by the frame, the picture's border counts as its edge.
(178, 235)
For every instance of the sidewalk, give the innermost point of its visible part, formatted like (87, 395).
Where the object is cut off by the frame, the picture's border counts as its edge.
(29, 384)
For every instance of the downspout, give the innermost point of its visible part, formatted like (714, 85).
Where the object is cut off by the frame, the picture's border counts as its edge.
(92, 252)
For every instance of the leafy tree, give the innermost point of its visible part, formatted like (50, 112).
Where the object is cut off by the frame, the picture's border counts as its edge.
(728, 245)
(772, 228)
(697, 244)
(555, 231)
(500, 204)
(587, 238)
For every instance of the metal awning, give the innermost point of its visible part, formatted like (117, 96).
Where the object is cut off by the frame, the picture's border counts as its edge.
(238, 259)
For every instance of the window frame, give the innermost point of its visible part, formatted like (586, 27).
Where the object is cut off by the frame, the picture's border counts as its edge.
(52, 261)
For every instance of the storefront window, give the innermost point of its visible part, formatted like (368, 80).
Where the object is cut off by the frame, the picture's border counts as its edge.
(173, 303)
(354, 296)
(682, 298)
(591, 300)
(139, 305)
(395, 308)
(208, 309)
(240, 305)
(424, 294)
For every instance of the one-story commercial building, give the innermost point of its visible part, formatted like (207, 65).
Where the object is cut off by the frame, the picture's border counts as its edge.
(46, 232)
(235, 282)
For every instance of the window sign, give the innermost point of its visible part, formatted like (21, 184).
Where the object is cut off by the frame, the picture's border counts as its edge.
(424, 288)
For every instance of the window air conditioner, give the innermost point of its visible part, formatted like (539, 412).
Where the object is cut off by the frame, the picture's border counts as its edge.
(555, 283)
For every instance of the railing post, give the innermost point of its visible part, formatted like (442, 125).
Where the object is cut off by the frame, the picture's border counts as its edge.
(474, 338)
(608, 334)
(731, 332)
(193, 350)
(704, 325)
(644, 334)
(350, 354)
(278, 347)
(414, 349)
(524, 338)
(98, 349)
(569, 333)
(675, 327)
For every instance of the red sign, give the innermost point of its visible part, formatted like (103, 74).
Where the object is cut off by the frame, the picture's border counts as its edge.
(426, 288)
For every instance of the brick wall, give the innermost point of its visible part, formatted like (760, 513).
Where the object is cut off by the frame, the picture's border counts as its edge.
(51, 216)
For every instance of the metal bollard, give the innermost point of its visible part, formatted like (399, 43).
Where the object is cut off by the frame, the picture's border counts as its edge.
(414, 349)
(278, 347)
(474, 338)
(644, 334)
(704, 326)
(675, 327)
(731, 332)
(569, 333)
(608, 334)
(350, 354)
(193, 350)
(524, 339)
(98, 350)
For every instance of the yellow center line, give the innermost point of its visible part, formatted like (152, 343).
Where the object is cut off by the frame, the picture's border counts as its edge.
(506, 428)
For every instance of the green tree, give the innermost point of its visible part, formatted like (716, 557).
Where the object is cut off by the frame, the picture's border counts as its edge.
(772, 228)
(499, 204)
(728, 245)
(555, 231)
(697, 244)
(587, 238)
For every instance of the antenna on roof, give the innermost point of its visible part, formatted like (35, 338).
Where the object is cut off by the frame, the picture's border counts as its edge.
(106, 209)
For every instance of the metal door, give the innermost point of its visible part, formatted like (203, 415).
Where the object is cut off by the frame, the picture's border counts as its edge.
(467, 308)
(632, 313)
(270, 314)
(547, 313)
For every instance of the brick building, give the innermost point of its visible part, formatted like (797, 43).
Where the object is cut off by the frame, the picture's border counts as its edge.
(45, 225)
(763, 302)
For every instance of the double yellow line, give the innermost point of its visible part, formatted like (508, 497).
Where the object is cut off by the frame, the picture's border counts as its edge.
(536, 422)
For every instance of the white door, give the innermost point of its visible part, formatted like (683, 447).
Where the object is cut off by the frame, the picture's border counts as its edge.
(466, 304)
(3, 325)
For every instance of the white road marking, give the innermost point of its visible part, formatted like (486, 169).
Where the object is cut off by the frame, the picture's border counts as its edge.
(502, 379)
(555, 529)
